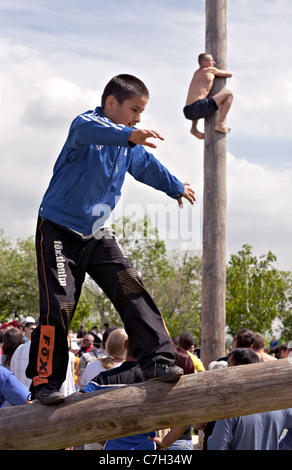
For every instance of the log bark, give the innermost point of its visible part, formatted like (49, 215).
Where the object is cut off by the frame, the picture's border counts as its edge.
(152, 405)
(214, 203)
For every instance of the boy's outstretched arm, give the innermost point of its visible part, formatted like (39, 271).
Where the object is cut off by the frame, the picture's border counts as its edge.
(141, 136)
(147, 169)
(188, 194)
(172, 436)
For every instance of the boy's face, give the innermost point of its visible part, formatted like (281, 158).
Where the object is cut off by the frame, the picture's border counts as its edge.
(208, 61)
(128, 113)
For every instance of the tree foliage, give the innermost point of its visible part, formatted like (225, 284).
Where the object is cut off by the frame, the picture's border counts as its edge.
(173, 281)
(285, 316)
(18, 279)
(255, 291)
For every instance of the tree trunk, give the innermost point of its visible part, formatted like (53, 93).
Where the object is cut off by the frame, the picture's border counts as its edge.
(214, 203)
(152, 405)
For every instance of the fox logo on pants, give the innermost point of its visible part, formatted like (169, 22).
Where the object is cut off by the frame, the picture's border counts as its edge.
(45, 354)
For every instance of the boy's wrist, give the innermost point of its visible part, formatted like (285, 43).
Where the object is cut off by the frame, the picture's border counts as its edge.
(130, 142)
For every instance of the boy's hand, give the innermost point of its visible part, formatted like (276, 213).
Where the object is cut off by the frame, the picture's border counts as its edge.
(158, 442)
(189, 194)
(141, 136)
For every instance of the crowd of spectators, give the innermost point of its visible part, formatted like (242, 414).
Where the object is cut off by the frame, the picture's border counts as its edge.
(102, 358)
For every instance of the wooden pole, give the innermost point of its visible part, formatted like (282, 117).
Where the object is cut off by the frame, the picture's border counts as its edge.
(98, 416)
(214, 203)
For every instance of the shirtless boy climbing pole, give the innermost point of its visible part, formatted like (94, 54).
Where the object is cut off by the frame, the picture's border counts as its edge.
(199, 104)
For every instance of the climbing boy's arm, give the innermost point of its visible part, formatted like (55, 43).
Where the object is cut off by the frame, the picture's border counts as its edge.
(221, 73)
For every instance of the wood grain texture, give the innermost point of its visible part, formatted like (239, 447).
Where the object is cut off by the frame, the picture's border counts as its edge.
(213, 315)
(151, 405)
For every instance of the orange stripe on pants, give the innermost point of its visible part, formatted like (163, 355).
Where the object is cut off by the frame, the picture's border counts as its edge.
(45, 354)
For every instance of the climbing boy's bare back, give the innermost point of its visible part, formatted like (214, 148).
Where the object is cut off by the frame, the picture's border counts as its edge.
(199, 105)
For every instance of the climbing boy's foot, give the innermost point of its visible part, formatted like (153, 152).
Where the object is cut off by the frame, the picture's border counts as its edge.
(164, 371)
(47, 394)
(222, 128)
(196, 133)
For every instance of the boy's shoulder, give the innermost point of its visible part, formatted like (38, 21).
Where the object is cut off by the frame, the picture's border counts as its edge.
(91, 114)
(96, 116)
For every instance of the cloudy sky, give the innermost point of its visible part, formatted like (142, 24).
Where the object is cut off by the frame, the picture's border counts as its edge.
(57, 56)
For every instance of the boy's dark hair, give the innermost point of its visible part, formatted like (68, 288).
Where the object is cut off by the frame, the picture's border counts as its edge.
(245, 338)
(124, 87)
(283, 347)
(259, 342)
(202, 57)
(240, 356)
(11, 340)
(186, 340)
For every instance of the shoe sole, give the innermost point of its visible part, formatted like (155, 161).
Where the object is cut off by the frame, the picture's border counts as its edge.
(171, 379)
(51, 401)
(169, 374)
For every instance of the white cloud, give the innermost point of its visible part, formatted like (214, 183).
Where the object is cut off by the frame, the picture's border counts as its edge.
(52, 70)
(37, 107)
(259, 209)
(259, 38)
(55, 101)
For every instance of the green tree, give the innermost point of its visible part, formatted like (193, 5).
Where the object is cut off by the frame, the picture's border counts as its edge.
(255, 293)
(179, 296)
(84, 310)
(18, 279)
(102, 310)
(285, 316)
(173, 280)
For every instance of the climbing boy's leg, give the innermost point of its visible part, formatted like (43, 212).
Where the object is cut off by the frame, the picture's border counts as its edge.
(195, 131)
(224, 99)
(200, 109)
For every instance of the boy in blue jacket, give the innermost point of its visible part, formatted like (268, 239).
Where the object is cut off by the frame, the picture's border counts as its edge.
(102, 145)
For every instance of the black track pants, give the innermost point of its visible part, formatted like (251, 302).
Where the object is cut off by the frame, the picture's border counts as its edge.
(63, 261)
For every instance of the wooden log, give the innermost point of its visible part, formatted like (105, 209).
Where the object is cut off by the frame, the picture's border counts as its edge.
(214, 203)
(151, 405)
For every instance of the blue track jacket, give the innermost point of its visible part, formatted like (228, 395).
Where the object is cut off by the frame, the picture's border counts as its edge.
(90, 171)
